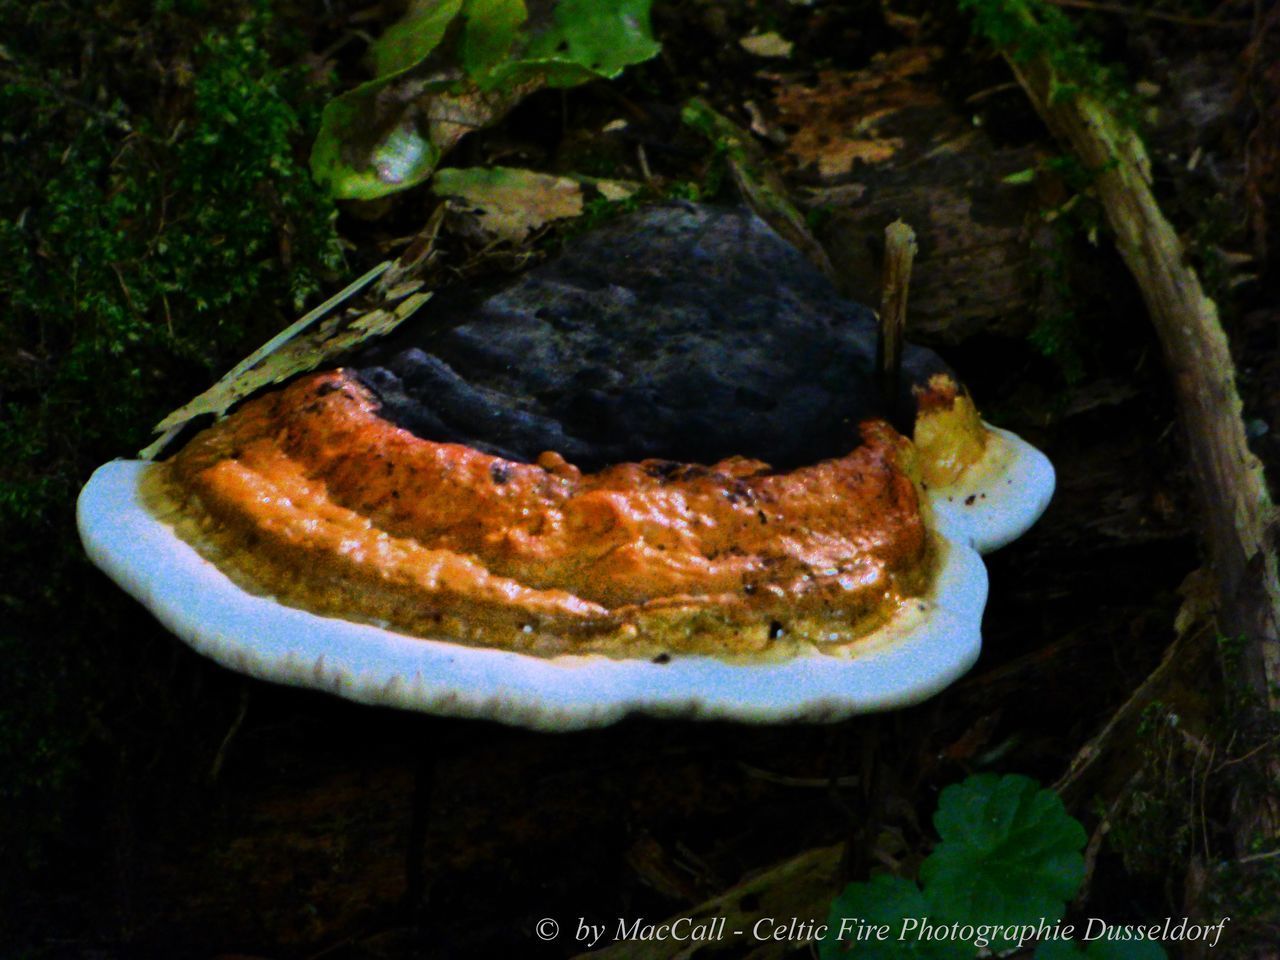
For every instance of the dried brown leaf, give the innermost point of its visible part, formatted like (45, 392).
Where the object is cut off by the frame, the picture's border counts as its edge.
(319, 336)
(509, 204)
(841, 119)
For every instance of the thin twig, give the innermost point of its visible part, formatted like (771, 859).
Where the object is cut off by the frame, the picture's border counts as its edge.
(173, 424)
(1094, 847)
(1182, 19)
(992, 91)
(1255, 857)
(19, 78)
(1252, 753)
(644, 163)
(291, 331)
(783, 780)
(899, 252)
(215, 769)
(1204, 802)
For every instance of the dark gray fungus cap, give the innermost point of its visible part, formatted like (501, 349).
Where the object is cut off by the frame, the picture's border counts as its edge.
(681, 332)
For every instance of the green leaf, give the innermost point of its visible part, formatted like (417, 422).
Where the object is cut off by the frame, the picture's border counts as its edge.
(1010, 853)
(404, 157)
(414, 36)
(582, 40)
(605, 36)
(490, 32)
(389, 134)
(1027, 175)
(353, 170)
(509, 204)
(539, 72)
(888, 903)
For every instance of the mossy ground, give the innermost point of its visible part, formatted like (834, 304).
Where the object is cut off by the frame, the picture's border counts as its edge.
(157, 222)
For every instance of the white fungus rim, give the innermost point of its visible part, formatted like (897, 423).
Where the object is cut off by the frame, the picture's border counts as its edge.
(998, 498)
(928, 644)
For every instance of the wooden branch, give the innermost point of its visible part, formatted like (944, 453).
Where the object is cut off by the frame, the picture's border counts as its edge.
(1186, 21)
(899, 252)
(1237, 509)
(758, 182)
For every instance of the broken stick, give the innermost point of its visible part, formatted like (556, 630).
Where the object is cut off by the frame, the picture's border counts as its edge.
(899, 252)
(1237, 509)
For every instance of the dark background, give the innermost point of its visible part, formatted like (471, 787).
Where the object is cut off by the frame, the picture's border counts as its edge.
(157, 223)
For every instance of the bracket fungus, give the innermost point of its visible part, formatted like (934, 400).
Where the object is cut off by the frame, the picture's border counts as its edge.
(654, 474)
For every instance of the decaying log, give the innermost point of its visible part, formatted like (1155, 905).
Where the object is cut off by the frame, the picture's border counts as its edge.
(1237, 509)
(884, 142)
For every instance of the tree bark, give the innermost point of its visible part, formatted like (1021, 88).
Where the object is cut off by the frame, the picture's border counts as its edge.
(1238, 515)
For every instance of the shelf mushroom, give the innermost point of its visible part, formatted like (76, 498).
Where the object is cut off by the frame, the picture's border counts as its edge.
(655, 474)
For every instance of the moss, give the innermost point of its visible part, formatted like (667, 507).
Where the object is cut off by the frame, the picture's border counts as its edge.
(1033, 28)
(157, 221)
(1057, 332)
(1026, 29)
(1245, 890)
(1151, 827)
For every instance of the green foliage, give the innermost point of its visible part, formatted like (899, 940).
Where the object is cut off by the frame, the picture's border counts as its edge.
(469, 60)
(886, 901)
(1057, 332)
(1232, 648)
(818, 217)
(1026, 29)
(1150, 826)
(249, 193)
(409, 40)
(142, 248)
(1009, 860)
(121, 255)
(1033, 28)
(574, 41)
(1009, 852)
(1245, 890)
(604, 36)
(489, 32)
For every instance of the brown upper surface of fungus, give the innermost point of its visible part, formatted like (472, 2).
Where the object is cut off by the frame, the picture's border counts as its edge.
(309, 494)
